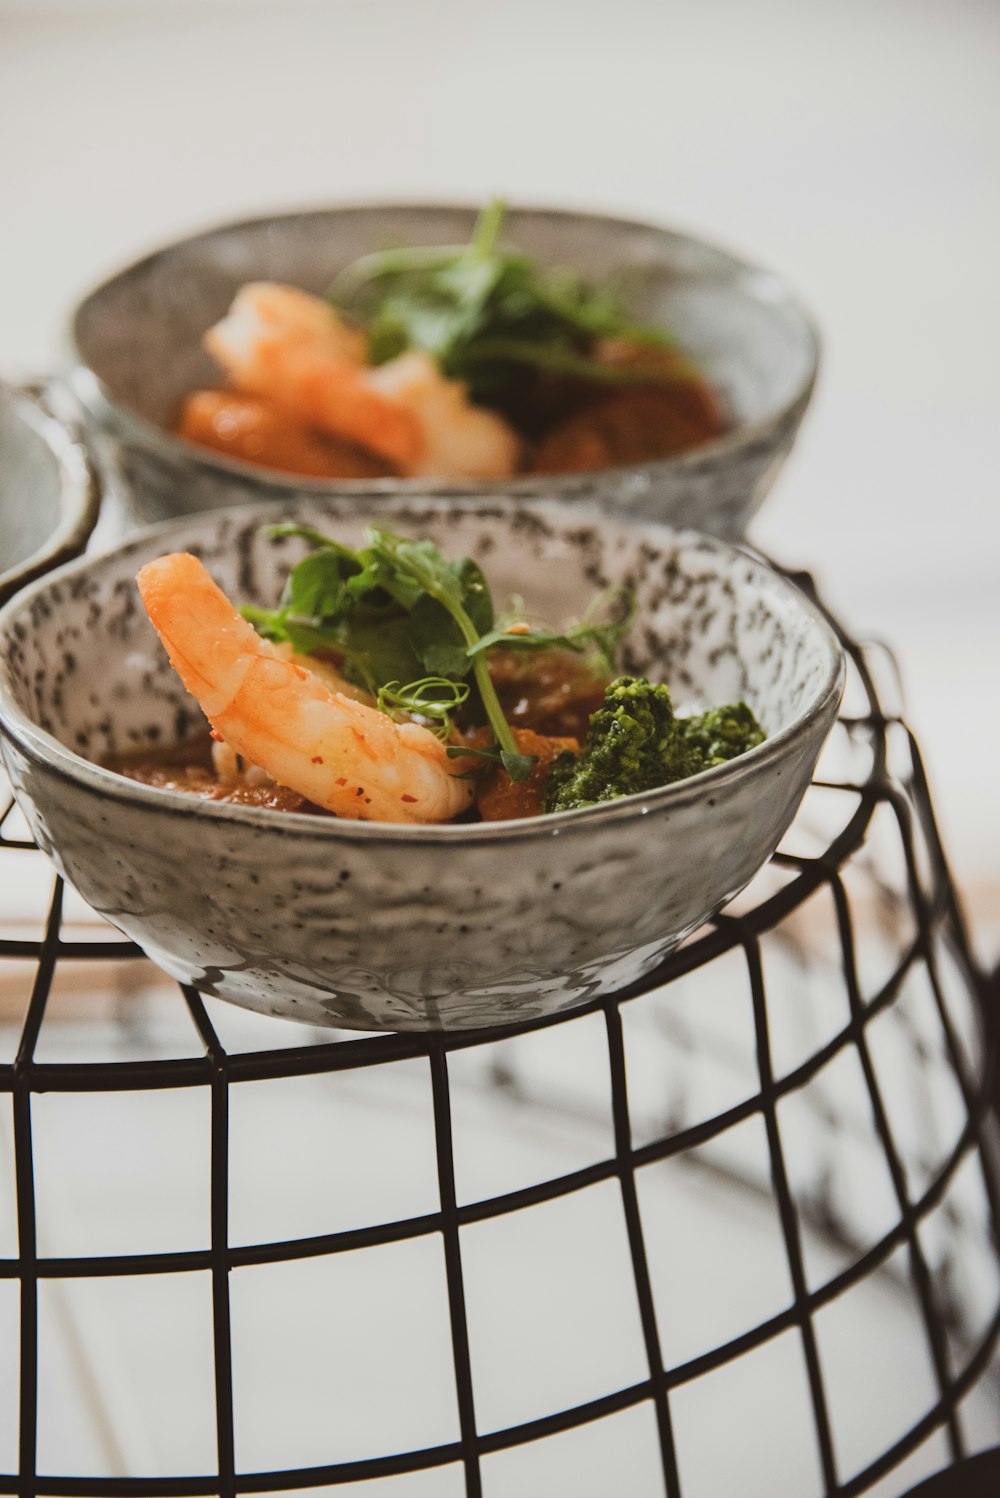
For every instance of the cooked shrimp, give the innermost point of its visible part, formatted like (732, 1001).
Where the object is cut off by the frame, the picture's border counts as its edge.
(339, 754)
(257, 430)
(460, 440)
(280, 342)
(327, 673)
(232, 768)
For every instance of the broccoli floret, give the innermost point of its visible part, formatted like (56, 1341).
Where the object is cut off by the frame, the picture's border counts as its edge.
(635, 743)
(722, 733)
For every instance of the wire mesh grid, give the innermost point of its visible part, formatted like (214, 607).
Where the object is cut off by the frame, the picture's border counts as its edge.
(888, 936)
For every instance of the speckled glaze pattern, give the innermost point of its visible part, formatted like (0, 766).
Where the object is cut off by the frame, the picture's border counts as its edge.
(138, 342)
(372, 926)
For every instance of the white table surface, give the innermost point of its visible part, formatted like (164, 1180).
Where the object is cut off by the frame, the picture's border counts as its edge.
(853, 147)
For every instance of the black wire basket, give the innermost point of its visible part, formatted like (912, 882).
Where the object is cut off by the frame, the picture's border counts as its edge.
(733, 1228)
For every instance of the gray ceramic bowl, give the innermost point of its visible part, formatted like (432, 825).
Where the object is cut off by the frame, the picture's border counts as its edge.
(376, 926)
(137, 339)
(48, 493)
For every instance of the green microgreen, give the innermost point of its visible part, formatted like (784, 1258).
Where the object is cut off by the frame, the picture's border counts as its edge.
(433, 698)
(485, 313)
(460, 589)
(397, 611)
(608, 618)
(518, 766)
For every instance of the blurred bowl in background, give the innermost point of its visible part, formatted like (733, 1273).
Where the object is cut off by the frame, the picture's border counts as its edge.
(48, 492)
(376, 925)
(137, 339)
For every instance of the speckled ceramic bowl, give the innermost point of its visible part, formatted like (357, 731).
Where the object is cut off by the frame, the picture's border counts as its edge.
(48, 492)
(137, 338)
(373, 926)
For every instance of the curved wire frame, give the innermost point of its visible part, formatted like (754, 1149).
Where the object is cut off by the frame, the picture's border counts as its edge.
(936, 918)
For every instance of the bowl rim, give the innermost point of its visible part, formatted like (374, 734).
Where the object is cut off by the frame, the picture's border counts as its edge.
(45, 748)
(79, 493)
(97, 397)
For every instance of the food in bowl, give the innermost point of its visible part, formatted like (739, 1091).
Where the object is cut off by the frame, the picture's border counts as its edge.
(466, 362)
(139, 355)
(328, 705)
(383, 925)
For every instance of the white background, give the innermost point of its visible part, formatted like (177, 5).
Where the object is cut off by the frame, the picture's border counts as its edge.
(853, 147)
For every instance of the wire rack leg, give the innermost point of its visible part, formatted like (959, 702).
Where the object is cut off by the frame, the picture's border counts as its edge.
(221, 1325)
(640, 1265)
(788, 1216)
(453, 1269)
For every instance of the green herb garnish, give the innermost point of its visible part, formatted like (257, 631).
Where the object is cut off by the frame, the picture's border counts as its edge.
(434, 699)
(461, 590)
(396, 611)
(602, 635)
(484, 313)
